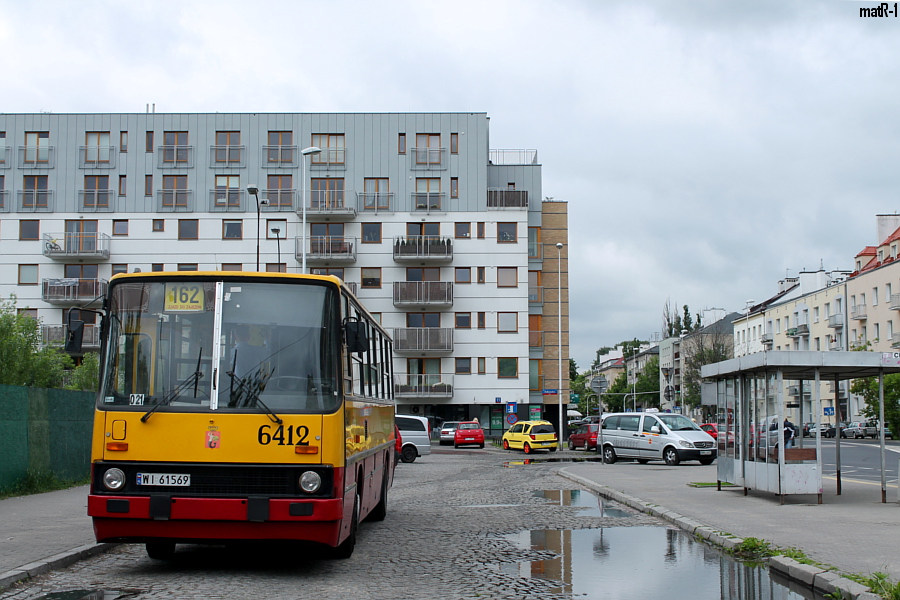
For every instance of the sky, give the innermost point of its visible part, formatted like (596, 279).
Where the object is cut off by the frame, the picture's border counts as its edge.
(706, 149)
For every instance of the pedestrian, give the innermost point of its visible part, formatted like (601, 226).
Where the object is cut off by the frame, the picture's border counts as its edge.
(788, 433)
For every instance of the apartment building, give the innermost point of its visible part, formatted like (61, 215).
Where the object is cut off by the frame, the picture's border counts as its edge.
(444, 239)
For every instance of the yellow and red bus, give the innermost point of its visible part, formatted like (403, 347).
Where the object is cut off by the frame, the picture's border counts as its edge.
(239, 406)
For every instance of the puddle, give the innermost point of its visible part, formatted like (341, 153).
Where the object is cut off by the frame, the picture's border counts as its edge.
(87, 595)
(641, 562)
(593, 506)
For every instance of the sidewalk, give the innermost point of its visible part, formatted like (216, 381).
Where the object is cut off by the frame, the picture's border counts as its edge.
(853, 532)
(43, 532)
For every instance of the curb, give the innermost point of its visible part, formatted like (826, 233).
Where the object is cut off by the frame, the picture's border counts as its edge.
(57, 561)
(815, 578)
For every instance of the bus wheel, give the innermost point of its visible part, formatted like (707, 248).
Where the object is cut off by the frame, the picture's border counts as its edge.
(345, 549)
(380, 511)
(161, 550)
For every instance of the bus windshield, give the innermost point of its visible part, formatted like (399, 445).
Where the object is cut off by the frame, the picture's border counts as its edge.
(201, 345)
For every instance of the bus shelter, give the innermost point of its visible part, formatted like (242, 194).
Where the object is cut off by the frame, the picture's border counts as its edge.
(749, 395)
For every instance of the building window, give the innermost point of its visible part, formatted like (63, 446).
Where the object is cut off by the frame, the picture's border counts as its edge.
(280, 191)
(423, 274)
(426, 229)
(332, 145)
(371, 277)
(148, 142)
(454, 143)
(37, 147)
(228, 148)
(506, 232)
(507, 277)
(371, 233)
(507, 322)
(123, 184)
(463, 275)
(120, 227)
(28, 274)
(157, 267)
(187, 267)
(81, 271)
(480, 276)
(29, 230)
(159, 225)
(481, 320)
(479, 228)
(96, 191)
(535, 380)
(232, 267)
(507, 367)
(35, 194)
(401, 143)
(281, 147)
(376, 194)
(96, 147)
(280, 225)
(462, 230)
(336, 271)
(175, 191)
(482, 365)
(123, 141)
(428, 193)
(463, 366)
(423, 319)
(148, 185)
(232, 229)
(175, 147)
(228, 191)
(428, 149)
(326, 192)
(454, 187)
(119, 268)
(188, 229)
(276, 267)
(463, 320)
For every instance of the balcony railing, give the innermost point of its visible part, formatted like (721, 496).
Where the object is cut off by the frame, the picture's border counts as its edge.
(227, 156)
(500, 198)
(329, 158)
(767, 338)
(280, 156)
(175, 200)
(423, 339)
(96, 200)
(535, 294)
(513, 157)
(895, 302)
(72, 291)
(4, 201)
(432, 385)
(895, 340)
(279, 200)
(535, 250)
(427, 202)
(794, 390)
(836, 321)
(859, 312)
(375, 202)
(76, 245)
(97, 157)
(37, 157)
(421, 293)
(35, 201)
(429, 159)
(56, 334)
(329, 202)
(226, 200)
(835, 347)
(859, 344)
(4, 157)
(798, 331)
(423, 247)
(175, 157)
(332, 248)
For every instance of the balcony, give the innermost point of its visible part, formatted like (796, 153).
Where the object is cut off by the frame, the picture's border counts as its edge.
(4, 156)
(279, 200)
(72, 291)
(427, 202)
(798, 331)
(227, 157)
(535, 294)
(500, 198)
(4, 201)
(96, 200)
(512, 157)
(435, 385)
(423, 339)
(433, 248)
(327, 248)
(175, 157)
(835, 347)
(859, 344)
(895, 340)
(895, 302)
(56, 334)
(329, 159)
(840, 391)
(836, 321)
(97, 157)
(375, 202)
(329, 203)
(89, 246)
(175, 200)
(423, 293)
(280, 157)
(859, 312)
(794, 390)
(226, 200)
(427, 159)
(535, 339)
(35, 201)
(37, 157)
(767, 339)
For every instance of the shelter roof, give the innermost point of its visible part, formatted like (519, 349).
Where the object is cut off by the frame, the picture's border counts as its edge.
(804, 364)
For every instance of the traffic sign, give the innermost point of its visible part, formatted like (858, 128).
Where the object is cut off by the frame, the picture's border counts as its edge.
(599, 384)
(511, 408)
(669, 393)
(829, 411)
(512, 419)
(549, 392)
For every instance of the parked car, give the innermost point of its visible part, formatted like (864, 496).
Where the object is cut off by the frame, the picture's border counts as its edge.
(651, 435)
(830, 431)
(416, 441)
(448, 432)
(809, 429)
(711, 428)
(531, 436)
(468, 434)
(585, 437)
(859, 429)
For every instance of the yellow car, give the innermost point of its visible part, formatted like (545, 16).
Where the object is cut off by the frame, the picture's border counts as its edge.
(531, 436)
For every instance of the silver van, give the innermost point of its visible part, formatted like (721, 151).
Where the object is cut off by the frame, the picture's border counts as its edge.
(646, 436)
(416, 441)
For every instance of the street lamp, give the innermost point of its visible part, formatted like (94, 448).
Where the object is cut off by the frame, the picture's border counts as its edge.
(253, 190)
(303, 154)
(277, 232)
(559, 247)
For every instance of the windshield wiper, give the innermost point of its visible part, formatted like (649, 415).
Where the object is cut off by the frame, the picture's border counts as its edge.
(192, 380)
(252, 396)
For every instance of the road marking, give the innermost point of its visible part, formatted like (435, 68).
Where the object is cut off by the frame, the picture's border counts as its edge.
(878, 483)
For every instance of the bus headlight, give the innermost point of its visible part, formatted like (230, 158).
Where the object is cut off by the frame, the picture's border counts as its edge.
(113, 479)
(310, 482)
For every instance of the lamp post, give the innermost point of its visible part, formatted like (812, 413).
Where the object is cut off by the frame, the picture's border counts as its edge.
(303, 154)
(559, 247)
(253, 190)
(277, 232)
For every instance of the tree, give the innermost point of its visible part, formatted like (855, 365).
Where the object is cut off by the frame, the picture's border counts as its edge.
(648, 381)
(24, 361)
(868, 389)
(86, 376)
(614, 398)
(706, 346)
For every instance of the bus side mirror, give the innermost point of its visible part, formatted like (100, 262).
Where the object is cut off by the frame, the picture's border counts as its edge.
(74, 337)
(356, 337)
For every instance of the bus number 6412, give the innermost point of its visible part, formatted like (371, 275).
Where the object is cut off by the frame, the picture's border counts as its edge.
(265, 436)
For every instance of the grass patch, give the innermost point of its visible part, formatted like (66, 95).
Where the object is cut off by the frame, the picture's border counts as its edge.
(880, 584)
(38, 482)
(706, 484)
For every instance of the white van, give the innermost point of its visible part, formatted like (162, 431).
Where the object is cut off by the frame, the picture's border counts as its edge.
(416, 441)
(646, 436)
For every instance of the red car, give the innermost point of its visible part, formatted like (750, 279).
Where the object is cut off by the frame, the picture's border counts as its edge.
(468, 433)
(584, 437)
(711, 428)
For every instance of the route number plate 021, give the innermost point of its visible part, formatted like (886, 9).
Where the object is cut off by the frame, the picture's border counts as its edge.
(173, 479)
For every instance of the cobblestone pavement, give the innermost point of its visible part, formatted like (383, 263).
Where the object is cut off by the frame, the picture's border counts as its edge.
(443, 538)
